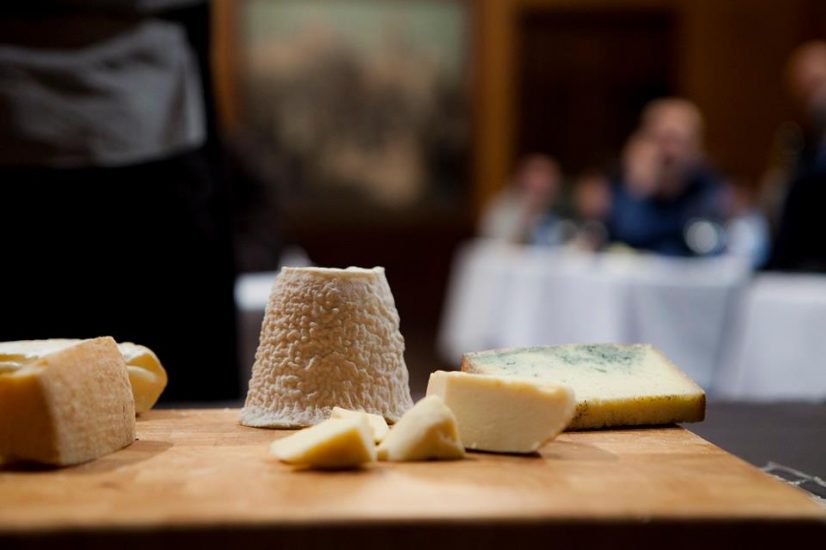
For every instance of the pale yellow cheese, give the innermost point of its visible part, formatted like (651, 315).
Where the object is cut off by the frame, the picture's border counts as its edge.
(146, 374)
(427, 431)
(378, 425)
(615, 385)
(502, 413)
(67, 407)
(333, 444)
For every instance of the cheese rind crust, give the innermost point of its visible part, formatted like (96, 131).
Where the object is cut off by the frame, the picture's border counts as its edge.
(615, 385)
(330, 337)
(146, 374)
(68, 407)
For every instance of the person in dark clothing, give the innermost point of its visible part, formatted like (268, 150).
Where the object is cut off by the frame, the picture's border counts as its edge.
(116, 218)
(666, 199)
(800, 243)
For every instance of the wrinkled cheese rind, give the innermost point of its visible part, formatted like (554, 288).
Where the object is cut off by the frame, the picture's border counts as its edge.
(378, 425)
(426, 432)
(146, 374)
(503, 414)
(333, 444)
(67, 407)
(615, 385)
(330, 338)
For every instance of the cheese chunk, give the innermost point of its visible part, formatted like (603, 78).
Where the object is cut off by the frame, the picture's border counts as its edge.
(615, 385)
(427, 431)
(146, 374)
(67, 407)
(378, 425)
(333, 444)
(330, 338)
(502, 413)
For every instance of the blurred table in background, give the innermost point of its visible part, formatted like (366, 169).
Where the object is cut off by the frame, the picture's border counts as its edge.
(778, 341)
(732, 334)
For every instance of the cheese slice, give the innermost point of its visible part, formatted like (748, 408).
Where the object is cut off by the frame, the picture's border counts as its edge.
(330, 338)
(146, 374)
(503, 414)
(333, 444)
(67, 407)
(615, 385)
(378, 425)
(427, 431)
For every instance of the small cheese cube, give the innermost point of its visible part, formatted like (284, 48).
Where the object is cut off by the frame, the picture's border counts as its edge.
(427, 431)
(67, 407)
(503, 414)
(378, 425)
(332, 444)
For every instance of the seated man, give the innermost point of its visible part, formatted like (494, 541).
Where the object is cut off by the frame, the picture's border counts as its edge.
(666, 188)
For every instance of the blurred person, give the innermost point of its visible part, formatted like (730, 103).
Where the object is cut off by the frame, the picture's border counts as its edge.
(523, 211)
(115, 217)
(747, 234)
(666, 198)
(591, 205)
(799, 244)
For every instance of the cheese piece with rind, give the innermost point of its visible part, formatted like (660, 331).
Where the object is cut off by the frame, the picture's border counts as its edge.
(615, 385)
(146, 374)
(67, 407)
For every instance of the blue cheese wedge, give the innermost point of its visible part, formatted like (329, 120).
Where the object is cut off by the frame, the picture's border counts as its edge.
(615, 385)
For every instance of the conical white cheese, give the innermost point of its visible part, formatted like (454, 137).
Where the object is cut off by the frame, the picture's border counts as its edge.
(330, 338)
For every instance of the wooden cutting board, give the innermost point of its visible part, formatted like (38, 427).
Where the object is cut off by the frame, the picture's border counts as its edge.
(198, 471)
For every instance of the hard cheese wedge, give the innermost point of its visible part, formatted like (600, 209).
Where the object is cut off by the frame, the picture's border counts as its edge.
(67, 407)
(378, 425)
(427, 431)
(615, 385)
(503, 413)
(332, 444)
(146, 374)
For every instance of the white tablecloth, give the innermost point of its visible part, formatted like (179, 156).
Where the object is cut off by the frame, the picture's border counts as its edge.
(507, 296)
(778, 346)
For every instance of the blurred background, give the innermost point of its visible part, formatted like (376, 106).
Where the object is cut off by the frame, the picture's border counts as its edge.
(528, 171)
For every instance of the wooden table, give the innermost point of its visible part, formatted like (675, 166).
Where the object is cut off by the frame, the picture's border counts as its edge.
(197, 477)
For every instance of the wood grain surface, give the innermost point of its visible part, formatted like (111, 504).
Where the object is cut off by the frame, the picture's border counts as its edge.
(198, 469)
